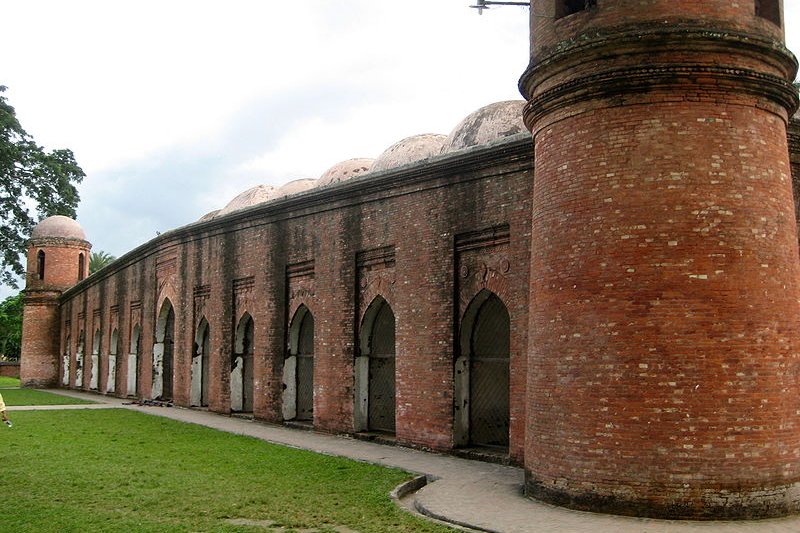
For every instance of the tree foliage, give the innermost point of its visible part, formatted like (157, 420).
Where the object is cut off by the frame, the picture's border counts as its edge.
(11, 327)
(98, 260)
(29, 176)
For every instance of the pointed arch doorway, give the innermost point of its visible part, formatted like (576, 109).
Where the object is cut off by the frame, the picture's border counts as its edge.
(375, 370)
(163, 353)
(298, 369)
(133, 363)
(482, 374)
(242, 366)
(201, 359)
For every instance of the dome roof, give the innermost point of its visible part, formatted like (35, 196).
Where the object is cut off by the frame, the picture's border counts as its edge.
(209, 215)
(295, 186)
(254, 196)
(410, 150)
(489, 123)
(58, 226)
(344, 171)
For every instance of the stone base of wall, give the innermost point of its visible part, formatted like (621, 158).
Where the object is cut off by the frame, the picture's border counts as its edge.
(676, 503)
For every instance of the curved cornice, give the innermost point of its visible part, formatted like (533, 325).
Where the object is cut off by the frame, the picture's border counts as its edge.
(580, 61)
(46, 297)
(643, 79)
(461, 166)
(62, 242)
(677, 36)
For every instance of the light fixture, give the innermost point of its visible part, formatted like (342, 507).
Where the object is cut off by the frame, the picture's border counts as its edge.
(484, 4)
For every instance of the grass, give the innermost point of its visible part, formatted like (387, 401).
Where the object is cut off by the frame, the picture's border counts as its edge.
(9, 382)
(14, 397)
(119, 470)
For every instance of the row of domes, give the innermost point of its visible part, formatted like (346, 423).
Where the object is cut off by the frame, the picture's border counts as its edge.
(487, 124)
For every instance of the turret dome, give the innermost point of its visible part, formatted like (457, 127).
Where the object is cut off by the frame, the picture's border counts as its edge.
(58, 226)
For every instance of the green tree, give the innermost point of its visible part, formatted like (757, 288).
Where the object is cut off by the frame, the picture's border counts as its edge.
(29, 175)
(11, 327)
(98, 260)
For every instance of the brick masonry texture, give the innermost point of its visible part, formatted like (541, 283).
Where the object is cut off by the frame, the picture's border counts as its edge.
(270, 260)
(9, 370)
(664, 331)
(650, 274)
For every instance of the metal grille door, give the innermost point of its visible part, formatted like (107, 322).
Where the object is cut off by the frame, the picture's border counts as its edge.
(305, 369)
(167, 361)
(381, 372)
(247, 371)
(205, 367)
(489, 375)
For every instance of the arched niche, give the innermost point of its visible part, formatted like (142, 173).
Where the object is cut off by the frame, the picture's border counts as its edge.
(201, 364)
(113, 348)
(79, 352)
(133, 362)
(65, 364)
(374, 370)
(298, 368)
(163, 352)
(241, 379)
(482, 374)
(94, 371)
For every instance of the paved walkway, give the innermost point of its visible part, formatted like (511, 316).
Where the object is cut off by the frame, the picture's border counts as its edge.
(483, 496)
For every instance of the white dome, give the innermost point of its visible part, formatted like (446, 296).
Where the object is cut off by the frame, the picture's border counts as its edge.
(295, 186)
(344, 171)
(489, 123)
(410, 150)
(60, 227)
(254, 196)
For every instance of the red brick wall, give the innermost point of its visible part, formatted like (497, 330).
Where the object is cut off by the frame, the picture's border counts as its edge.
(61, 263)
(247, 263)
(9, 370)
(794, 158)
(547, 34)
(40, 334)
(664, 281)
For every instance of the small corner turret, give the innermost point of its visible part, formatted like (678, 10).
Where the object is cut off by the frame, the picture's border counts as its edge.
(58, 258)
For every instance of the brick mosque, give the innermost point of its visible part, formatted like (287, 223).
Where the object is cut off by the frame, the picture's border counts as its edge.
(612, 302)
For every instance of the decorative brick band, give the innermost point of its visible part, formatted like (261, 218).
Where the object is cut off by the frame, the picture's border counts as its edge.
(719, 84)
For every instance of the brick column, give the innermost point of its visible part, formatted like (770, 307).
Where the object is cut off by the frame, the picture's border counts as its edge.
(664, 332)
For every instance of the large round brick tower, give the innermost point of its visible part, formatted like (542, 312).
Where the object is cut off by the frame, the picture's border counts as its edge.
(663, 369)
(58, 257)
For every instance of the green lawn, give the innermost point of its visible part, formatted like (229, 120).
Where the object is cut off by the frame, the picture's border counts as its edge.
(14, 397)
(9, 382)
(118, 470)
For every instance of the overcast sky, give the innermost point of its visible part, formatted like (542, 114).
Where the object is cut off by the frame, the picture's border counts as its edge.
(174, 107)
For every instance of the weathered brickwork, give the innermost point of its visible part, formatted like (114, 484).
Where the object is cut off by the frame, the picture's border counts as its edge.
(324, 250)
(9, 370)
(650, 275)
(664, 270)
(55, 262)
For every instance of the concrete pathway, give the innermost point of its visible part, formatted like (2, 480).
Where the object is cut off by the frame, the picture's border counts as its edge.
(482, 496)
